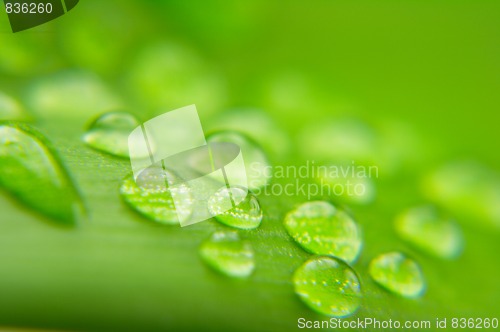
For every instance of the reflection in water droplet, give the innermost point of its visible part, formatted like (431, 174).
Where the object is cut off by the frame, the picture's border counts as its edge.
(258, 168)
(109, 133)
(33, 174)
(321, 228)
(398, 273)
(246, 213)
(469, 190)
(151, 197)
(425, 229)
(228, 254)
(11, 109)
(329, 286)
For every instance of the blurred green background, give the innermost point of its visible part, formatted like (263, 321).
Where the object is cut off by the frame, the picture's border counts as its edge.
(423, 77)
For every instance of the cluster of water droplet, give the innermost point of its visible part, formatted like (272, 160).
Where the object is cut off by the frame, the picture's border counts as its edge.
(326, 282)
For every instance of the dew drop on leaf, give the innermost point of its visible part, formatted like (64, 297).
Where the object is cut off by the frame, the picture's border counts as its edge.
(434, 234)
(32, 173)
(226, 253)
(329, 286)
(398, 273)
(246, 213)
(109, 133)
(258, 168)
(468, 189)
(150, 196)
(323, 229)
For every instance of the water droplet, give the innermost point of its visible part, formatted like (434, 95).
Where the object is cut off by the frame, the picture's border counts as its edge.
(258, 168)
(150, 196)
(228, 254)
(468, 189)
(32, 173)
(322, 229)
(426, 229)
(246, 213)
(11, 109)
(398, 273)
(109, 133)
(329, 286)
(72, 94)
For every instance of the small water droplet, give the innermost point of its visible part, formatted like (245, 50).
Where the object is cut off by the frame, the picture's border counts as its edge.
(150, 196)
(258, 168)
(246, 213)
(109, 133)
(398, 273)
(426, 229)
(228, 254)
(468, 189)
(11, 109)
(322, 229)
(32, 173)
(329, 286)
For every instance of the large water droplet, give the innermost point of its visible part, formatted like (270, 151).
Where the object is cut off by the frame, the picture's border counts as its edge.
(109, 133)
(228, 254)
(329, 286)
(426, 229)
(398, 273)
(322, 229)
(246, 213)
(11, 109)
(33, 174)
(258, 168)
(469, 190)
(150, 196)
